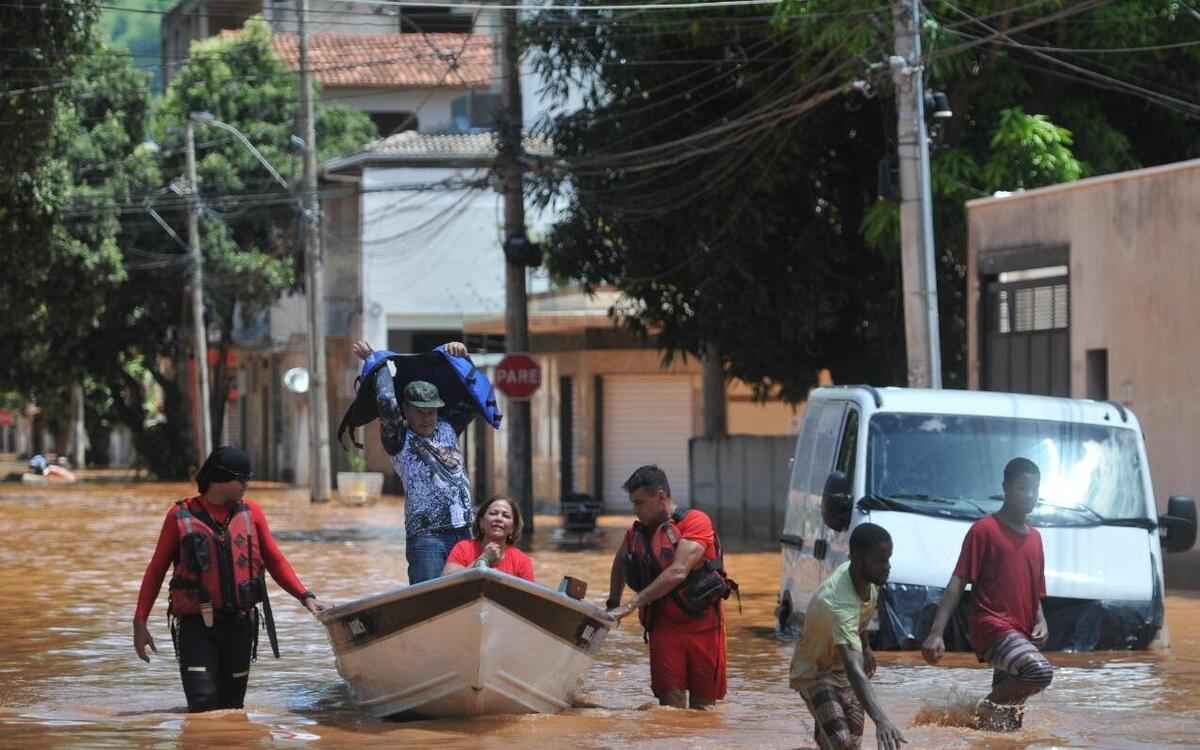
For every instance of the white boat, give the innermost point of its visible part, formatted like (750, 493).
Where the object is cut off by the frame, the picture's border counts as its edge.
(472, 643)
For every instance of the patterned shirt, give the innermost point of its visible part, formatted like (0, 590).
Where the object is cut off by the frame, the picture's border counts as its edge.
(436, 489)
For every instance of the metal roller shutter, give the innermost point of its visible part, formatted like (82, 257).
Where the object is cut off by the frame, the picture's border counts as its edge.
(647, 420)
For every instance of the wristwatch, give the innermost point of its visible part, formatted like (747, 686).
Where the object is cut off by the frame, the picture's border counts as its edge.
(306, 596)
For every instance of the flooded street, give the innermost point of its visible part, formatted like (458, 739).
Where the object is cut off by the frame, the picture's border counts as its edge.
(72, 559)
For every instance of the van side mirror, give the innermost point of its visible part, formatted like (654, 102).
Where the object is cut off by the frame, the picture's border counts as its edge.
(836, 502)
(1178, 524)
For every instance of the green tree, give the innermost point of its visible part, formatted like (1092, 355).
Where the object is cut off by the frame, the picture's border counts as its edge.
(724, 219)
(90, 261)
(1086, 121)
(41, 46)
(253, 252)
(59, 271)
(717, 175)
(104, 301)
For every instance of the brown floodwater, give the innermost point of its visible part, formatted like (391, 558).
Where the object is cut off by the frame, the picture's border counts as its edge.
(72, 558)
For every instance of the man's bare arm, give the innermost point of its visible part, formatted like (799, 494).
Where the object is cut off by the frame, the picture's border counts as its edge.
(688, 555)
(887, 736)
(935, 646)
(616, 579)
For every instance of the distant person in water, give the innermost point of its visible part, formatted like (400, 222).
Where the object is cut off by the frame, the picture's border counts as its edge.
(1003, 561)
(40, 466)
(497, 526)
(833, 664)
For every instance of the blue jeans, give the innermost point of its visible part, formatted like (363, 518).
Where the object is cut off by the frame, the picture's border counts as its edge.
(427, 553)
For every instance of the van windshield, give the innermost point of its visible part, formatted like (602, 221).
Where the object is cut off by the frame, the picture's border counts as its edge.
(953, 465)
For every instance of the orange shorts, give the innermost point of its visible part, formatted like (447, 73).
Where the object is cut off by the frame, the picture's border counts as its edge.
(688, 660)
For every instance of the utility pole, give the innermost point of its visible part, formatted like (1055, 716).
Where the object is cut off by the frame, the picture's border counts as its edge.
(516, 314)
(921, 336)
(314, 265)
(200, 342)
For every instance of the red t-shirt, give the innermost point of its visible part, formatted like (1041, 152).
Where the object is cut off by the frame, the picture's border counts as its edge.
(514, 562)
(695, 527)
(1007, 572)
(167, 552)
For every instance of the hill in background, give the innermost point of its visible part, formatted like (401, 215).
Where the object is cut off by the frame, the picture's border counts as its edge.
(134, 25)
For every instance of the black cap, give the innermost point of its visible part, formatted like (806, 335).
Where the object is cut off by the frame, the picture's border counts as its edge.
(226, 464)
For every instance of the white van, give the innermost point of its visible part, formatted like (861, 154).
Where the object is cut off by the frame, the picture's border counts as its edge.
(925, 464)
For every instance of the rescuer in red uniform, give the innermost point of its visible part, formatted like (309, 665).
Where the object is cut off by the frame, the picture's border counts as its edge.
(672, 558)
(220, 545)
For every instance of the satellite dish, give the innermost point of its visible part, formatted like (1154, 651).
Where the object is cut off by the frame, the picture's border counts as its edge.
(296, 380)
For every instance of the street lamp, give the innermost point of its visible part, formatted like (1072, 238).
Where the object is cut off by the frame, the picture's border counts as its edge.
(208, 119)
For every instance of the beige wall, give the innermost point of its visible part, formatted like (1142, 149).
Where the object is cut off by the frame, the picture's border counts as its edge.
(1134, 244)
(583, 366)
(749, 417)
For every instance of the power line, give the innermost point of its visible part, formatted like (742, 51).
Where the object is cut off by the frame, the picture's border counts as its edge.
(693, 183)
(138, 204)
(653, 184)
(580, 8)
(996, 34)
(1095, 51)
(1104, 81)
(480, 6)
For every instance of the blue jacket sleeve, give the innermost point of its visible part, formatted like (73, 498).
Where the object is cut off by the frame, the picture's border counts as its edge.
(374, 360)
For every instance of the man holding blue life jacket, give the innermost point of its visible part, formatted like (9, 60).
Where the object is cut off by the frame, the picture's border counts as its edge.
(424, 448)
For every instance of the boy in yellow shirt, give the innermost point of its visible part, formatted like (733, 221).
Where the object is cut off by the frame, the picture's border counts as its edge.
(833, 663)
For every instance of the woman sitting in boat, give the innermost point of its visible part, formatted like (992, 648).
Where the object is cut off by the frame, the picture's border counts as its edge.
(497, 524)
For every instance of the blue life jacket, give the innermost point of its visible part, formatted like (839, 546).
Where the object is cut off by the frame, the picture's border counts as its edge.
(465, 389)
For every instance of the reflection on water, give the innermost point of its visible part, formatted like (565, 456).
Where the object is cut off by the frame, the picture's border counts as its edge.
(73, 557)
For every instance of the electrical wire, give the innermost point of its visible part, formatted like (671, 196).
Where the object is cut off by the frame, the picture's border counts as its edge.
(1102, 80)
(1061, 15)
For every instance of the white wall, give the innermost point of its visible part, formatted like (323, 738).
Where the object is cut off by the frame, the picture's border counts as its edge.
(430, 259)
(337, 16)
(289, 318)
(432, 107)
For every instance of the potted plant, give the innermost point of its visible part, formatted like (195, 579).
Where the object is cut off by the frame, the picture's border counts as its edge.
(358, 486)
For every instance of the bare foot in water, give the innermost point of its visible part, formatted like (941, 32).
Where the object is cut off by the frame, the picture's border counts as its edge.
(995, 717)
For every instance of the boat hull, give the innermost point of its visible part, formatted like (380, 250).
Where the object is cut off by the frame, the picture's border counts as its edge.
(473, 643)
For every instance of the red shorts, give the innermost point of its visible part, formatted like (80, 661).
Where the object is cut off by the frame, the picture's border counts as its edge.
(688, 660)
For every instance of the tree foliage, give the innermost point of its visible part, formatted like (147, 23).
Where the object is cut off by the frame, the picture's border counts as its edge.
(105, 303)
(41, 46)
(723, 219)
(253, 247)
(692, 184)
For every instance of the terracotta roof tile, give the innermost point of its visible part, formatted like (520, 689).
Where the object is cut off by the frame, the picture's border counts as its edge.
(343, 60)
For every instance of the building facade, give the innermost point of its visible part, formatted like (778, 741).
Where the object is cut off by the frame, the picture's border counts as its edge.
(609, 403)
(1088, 290)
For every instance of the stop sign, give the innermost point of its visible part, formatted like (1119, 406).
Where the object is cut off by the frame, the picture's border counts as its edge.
(518, 376)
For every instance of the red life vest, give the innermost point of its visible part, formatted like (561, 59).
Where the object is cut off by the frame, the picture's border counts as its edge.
(647, 555)
(217, 563)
